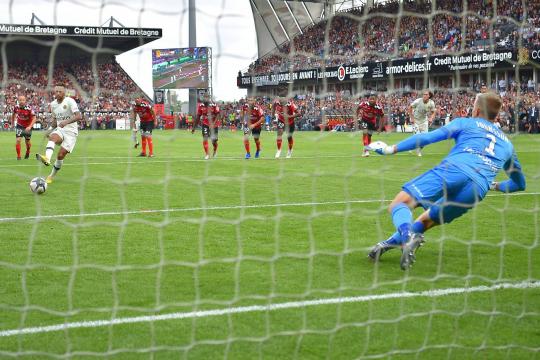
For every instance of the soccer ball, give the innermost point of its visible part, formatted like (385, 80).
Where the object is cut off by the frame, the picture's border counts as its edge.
(38, 185)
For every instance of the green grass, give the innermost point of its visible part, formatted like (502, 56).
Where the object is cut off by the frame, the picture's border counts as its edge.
(231, 240)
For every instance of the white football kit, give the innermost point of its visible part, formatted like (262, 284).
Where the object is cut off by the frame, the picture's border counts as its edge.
(63, 111)
(421, 111)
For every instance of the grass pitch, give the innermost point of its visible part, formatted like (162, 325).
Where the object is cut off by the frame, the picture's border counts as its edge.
(116, 236)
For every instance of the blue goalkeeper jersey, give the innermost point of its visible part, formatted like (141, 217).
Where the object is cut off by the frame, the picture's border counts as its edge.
(480, 152)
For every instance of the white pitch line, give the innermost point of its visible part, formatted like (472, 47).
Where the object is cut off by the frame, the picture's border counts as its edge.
(271, 307)
(211, 208)
(136, 161)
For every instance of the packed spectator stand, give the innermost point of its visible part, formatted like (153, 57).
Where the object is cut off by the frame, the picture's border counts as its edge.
(103, 95)
(400, 29)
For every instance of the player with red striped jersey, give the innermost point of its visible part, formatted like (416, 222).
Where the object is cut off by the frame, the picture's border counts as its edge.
(148, 120)
(25, 118)
(209, 114)
(286, 113)
(254, 126)
(370, 114)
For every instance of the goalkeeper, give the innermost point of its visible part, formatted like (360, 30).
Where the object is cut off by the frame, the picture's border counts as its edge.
(458, 183)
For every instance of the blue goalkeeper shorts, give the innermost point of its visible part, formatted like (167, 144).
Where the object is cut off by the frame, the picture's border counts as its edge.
(447, 192)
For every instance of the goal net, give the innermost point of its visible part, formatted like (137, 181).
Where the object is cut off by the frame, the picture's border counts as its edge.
(177, 256)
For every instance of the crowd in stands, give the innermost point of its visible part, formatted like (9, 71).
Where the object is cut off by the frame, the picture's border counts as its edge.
(104, 94)
(399, 29)
(520, 110)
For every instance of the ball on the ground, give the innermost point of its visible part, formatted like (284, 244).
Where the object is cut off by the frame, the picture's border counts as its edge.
(38, 185)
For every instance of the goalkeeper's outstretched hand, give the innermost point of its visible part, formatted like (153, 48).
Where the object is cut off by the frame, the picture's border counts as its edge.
(381, 148)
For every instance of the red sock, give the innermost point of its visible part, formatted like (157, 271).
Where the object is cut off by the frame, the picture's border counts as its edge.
(258, 144)
(369, 139)
(205, 146)
(143, 145)
(150, 145)
(215, 143)
(246, 145)
(279, 141)
(365, 139)
(291, 143)
(18, 148)
(28, 147)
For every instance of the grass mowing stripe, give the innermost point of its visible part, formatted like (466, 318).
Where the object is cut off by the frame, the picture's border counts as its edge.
(271, 307)
(225, 207)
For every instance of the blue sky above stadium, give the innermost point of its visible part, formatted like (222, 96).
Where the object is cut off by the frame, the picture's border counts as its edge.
(225, 25)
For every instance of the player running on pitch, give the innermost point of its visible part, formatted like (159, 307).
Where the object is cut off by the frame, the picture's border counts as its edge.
(65, 129)
(422, 113)
(25, 118)
(286, 114)
(458, 183)
(370, 114)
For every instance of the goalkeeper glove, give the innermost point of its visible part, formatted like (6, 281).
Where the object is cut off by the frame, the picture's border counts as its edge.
(381, 148)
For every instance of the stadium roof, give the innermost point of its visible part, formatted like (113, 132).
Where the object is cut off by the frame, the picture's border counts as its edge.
(277, 21)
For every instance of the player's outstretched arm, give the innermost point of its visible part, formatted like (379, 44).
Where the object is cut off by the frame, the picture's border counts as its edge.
(413, 142)
(517, 179)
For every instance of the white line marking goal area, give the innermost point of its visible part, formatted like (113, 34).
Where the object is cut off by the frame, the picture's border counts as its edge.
(271, 307)
(213, 208)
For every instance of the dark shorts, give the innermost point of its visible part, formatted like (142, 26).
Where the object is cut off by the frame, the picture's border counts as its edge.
(20, 131)
(368, 125)
(147, 127)
(446, 192)
(210, 132)
(286, 127)
(256, 132)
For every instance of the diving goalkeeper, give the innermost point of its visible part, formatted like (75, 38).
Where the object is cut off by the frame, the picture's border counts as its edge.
(458, 183)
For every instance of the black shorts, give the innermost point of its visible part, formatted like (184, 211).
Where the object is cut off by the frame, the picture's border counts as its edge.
(256, 132)
(20, 131)
(211, 133)
(147, 126)
(287, 127)
(368, 125)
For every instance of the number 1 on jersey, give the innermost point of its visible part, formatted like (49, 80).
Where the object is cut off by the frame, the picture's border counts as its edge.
(490, 149)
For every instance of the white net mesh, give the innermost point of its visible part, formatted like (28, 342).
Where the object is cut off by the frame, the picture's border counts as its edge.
(180, 257)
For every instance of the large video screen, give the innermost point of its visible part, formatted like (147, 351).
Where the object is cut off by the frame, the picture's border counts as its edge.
(180, 68)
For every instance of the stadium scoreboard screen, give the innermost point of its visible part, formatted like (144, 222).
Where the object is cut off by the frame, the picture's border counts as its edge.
(184, 68)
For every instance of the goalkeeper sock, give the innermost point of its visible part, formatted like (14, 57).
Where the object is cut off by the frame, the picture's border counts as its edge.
(418, 227)
(18, 149)
(393, 240)
(57, 166)
(402, 219)
(49, 149)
